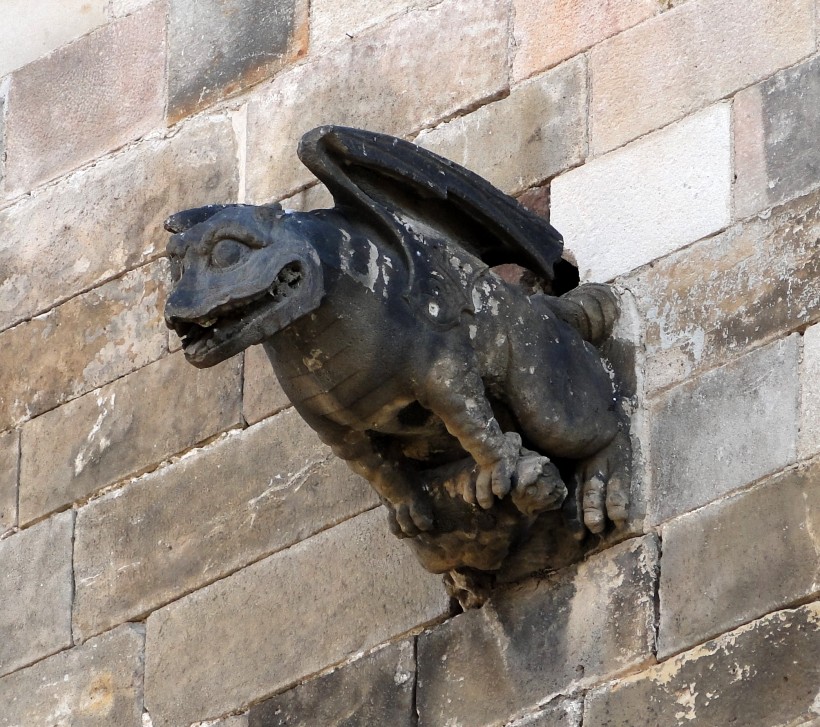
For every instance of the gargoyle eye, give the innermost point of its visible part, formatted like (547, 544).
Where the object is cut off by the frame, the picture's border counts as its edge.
(227, 252)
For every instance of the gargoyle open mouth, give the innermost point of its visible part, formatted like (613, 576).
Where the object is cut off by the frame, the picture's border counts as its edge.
(209, 335)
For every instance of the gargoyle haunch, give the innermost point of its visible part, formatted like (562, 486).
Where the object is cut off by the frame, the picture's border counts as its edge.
(471, 406)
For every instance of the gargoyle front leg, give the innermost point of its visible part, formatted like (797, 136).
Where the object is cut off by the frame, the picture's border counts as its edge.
(455, 392)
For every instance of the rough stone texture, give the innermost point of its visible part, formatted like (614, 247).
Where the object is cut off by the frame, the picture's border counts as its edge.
(31, 30)
(532, 642)
(3, 92)
(332, 21)
(534, 133)
(239, 720)
(375, 690)
(217, 48)
(262, 395)
(118, 8)
(724, 295)
(124, 428)
(537, 200)
(566, 713)
(655, 73)
(83, 344)
(262, 629)
(649, 198)
(104, 219)
(398, 93)
(776, 125)
(35, 593)
(763, 674)
(85, 99)
(723, 430)
(9, 468)
(547, 32)
(740, 559)
(95, 685)
(809, 439)
(243, 498)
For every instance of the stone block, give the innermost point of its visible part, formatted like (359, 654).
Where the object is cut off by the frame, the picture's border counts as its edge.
(809, 439)
(99, 221)
(239, 720)
(266, 627)
(216, 49)
(547, 32)
(375, 690)
(653, 196)
(31, 30)
(402, 92)
(313, 198)
(656, 73)
(248, 495)
(762, 674)
(262, 396)
(9, 470)
(119, 8)
(722, 296)
(83, 344)
(95, 685)
(565, 713)
(35, 593)
(776, 124)
(739, 559)
(85, 99)
(331, 21)
(537, 199)
(536, 132)
(122, 429)
(723, 430)
(3, 92)
(540, 639)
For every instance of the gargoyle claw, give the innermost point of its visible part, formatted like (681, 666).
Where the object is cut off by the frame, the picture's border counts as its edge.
(408, 519)
(496, 480)
(539, 486)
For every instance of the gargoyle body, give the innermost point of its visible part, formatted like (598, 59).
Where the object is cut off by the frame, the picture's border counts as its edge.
(467, 403)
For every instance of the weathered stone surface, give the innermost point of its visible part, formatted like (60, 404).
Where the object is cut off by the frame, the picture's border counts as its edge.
(243, 498)
(565, 713)
(262, 395)
(740, 559)
(809, 439)
(104, 219)
(649, 198)
(534, 133)
(217, 48)
(35, 593)
(3, 92)
(85, 99)
(239, 720)
(31, 30)
(262, 629)
(763, 674)
(9, 469)
(724, 295)
(83, 344)
(547, 32)
(313, 198)
(118, 8)
(332, 21)
(544, 637)
(403, 91)
(122, 429)
(652, 74)
(723, 430)
(375, 690)
(95, 685)
(776, 125)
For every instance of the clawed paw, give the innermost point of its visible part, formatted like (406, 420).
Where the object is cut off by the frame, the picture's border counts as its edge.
(539, 486)
(408, 519)
(496, 479)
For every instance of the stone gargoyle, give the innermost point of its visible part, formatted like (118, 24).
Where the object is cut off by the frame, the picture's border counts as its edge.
(470, 404)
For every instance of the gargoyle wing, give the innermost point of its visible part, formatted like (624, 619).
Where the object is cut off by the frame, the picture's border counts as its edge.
(385, 181)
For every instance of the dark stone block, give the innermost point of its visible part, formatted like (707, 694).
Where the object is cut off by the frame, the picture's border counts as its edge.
(375, 690)
(217, 48)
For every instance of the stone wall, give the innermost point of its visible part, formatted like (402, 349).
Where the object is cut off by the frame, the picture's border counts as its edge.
(177, 548)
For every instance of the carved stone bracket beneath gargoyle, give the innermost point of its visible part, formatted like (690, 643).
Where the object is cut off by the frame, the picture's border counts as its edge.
(481, 412)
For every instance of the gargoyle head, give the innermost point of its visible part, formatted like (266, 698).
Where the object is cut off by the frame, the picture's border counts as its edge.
(241, 273)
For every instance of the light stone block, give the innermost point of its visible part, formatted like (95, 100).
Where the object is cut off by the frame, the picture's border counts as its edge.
(332, 21)
(809, 440)
(9, 470)
(536, 132)
(35, 593)
(123, 429)
(248, 495)
(277, 621)
(638, 203)
(98, 684)
(691, 56)
(723, 430)
(104, 219)
(262, 395)
(403, 92)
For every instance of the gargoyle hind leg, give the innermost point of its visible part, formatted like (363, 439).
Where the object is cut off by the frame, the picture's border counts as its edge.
(410, 511)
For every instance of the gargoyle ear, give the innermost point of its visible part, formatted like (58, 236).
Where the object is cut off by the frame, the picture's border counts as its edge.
(186, 219)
